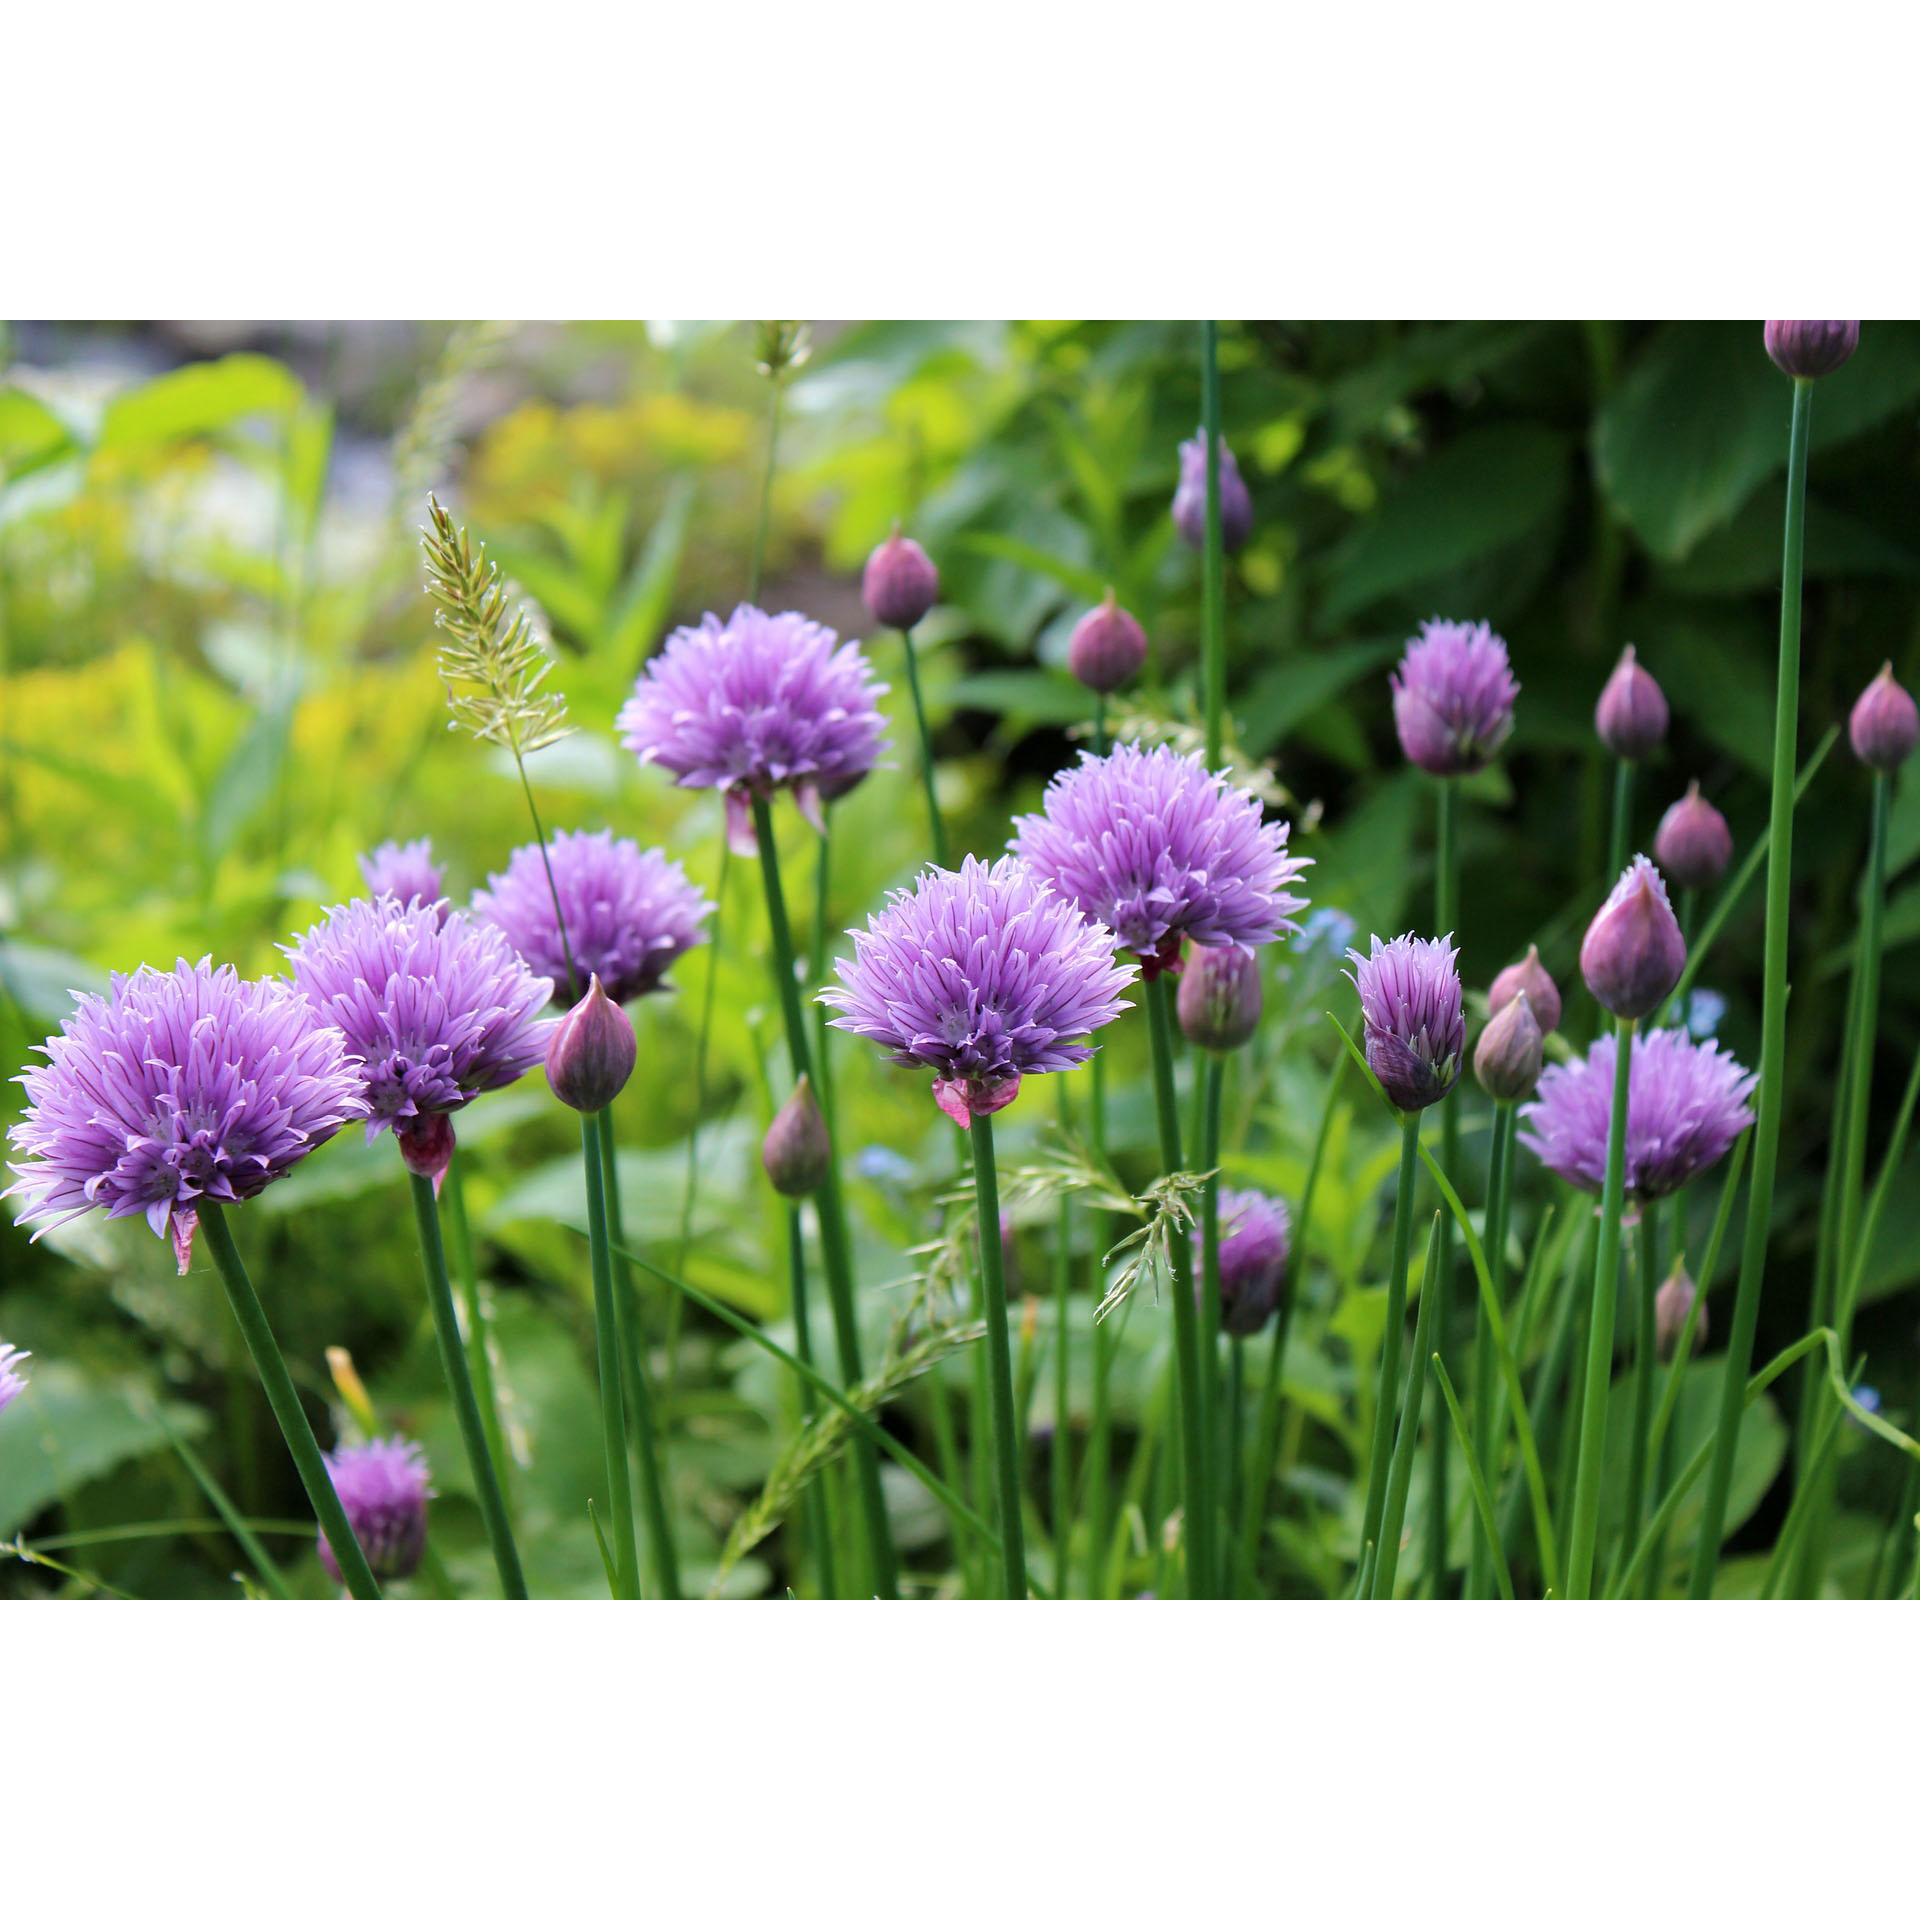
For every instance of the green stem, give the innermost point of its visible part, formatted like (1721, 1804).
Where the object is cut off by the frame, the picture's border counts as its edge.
(1866, 1026)
(1236, 1425)
(1446, 914)
(1195, 1494)
(1213, 599)
(986, 1193)
(829, 1206)
(1393, 1516)
(1620, 839)
(1477, 1479)
(819, 1521)
(1212, 1078)
(817, 965)
(1061, 1454)
(1485, 1365)
(607, 1343)
(1647, 1279)
(285, 1402)
(230, 1515)
(1379, 1454)
(1773, 1015)
(690, 1187)
(766, 490)
(479, 1359)
(1096, 1471)
(935, 825)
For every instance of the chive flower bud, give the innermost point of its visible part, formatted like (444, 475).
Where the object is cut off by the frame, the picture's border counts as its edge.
(1510, 1052)
(797, 1150)
(1255, 1234)
(590, 1052)
(1219, 999)
(1631, 715)
(1671, 1305)
(384, 1488)
(1190, 497)
(1808, 348)
(900, 582)
(1693, 842)
(1528, 976)
(1884, 724)
(1107, 647)
(1633, 953)
(426, 1145)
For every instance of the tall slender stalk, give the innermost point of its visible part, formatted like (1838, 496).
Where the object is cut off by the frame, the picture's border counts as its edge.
(777, 383)
(1446, 914)
(690, 1186)
(1378, 1455)
(285, 1402)
(1645, 1361)
(473, 1433)
(835, 1251)
(1061, 1456)
(1212, 1077)
(819, 1521)
(1590, 1451)
(1006, 1447)
(479, 1359)
(606, 1331)
(935, 825)
(1213, 599)
(1485, 1367)
(1773, 1013)
(1393, 1515)
(1620, 836)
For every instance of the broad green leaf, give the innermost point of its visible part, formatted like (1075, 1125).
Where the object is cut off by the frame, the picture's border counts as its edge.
(32, 435)
(1746, 555)
(199, 400)
(1293, 688)
(41, 981)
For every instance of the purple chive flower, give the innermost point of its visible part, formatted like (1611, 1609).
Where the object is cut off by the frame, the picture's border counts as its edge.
(1808, 348)
(1453, 696)
(1693, 841)
(434, 1014)
(179, 1088)
(1631, 714)
(983, 975)
(900, 584)
(1190, 497)
(1255, 1234)
(630, 915)
(1416, 1028)
(1884, 724)
(406, 871)
(1686, 1105)
(769, 700)
(1157, 850)
(384, 1487)
(13, 1382)
(1527, 976)
(1633, 953)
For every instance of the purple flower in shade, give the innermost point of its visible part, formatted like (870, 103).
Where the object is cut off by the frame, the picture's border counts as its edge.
(768, 700)
(1633, 954)
(1884, 724)
(384, 1487)
(1416, 1028)
(1527, 976)
(406, 871)
(1693, 841)
(1190, 497)
(433, 1014)
(1631, 714)
(1255, 1234)
(630, 915)
(12, 1381)
(177, 1089)
(1686, 1104)
(1453, 696)
(982, 975)
(1157, 849)
(1808, 348)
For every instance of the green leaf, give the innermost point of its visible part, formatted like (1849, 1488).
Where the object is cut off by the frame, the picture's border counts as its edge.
(1022, 553)
(199, 400)
(1292, 689)
(41, 981)
(32, 435)
(1047, 699)
(1746, 555)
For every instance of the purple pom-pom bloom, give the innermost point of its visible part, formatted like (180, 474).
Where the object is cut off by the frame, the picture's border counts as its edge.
(1190, 497)
(1255, 1233)
(1416, 1028)
(630, 915)
(1157, 849)
(434, 1014)
(179, 1088)
(983, 975)
(1808, 348)
(768, 700)
(1453, 696)
(384, 1488)
(1633, 954)
(13, 1382)
(406, 871)
(1686, 1105)
(1884, 724)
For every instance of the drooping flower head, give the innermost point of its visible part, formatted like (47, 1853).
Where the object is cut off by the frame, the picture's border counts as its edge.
(13, 1383)
(1190, 497)
(405, 870)
(766, 701)
(434, 1014)
(1255, 1233)
(630, 915)
(1416, 1027)
(983, 975)
(384, 1488)
(1157, 850)
(1453, 696)
(1686, 1105)
(177, 1089)
(1633, 954)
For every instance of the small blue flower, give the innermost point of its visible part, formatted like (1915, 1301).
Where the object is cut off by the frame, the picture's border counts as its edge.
(884, 1167)
(1705, 1010)
(1867, 1399)
(1326, 934)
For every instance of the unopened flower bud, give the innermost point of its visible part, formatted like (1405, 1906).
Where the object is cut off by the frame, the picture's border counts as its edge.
(1884, 724)
(1107, 647)
(590, 1053)
(426, 1145)
(1219, 999)
(900, 582)
(1510, 1052)
(1693, 842)
(1808, 348)
(1190, 497)
(1671, 1305)
(1631, 717)
(1528, 976)
(1633, 954)
(797, 1150)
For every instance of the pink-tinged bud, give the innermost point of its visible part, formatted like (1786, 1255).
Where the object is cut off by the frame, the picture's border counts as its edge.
(1693, 843)
(1884, 724)
(1219, 999)
(1808, 348)
(1633, 953)
(1107, 647)
(1190, 497)
(1528, 976)
(590, 1052)
(797, 1151)
(1631, 717)
(1671, 1305)
(900, 582)
(1510, 1053)
(426, 1145)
